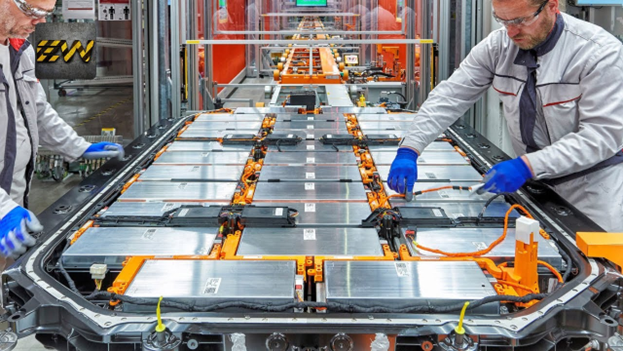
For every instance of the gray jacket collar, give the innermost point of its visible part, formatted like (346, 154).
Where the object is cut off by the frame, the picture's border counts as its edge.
(528, 57)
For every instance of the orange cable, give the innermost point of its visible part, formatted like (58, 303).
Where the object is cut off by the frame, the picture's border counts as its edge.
(480, 252)
(515, 285)
(552, 269)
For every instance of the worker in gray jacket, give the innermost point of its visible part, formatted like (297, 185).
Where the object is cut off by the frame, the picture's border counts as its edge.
(560, 80)
(27, 121)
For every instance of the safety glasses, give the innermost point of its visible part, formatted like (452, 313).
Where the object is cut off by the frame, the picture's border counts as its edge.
(521, 21)
(31, 11)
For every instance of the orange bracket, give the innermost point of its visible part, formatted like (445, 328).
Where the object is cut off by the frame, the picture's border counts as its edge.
(81, 231)
(601, 245)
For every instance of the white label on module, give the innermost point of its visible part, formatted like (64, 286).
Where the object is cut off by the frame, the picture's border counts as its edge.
(310, 175)
(310, 186)
(309, 234)
(311, 160)
(437, 213)
(402, 270)
(290, 136)
(311, 147)
(329, 136)
(184, 212)
(149, 234)
(212, 285)
(310, 136)
(480, 245)
(310, 118)
(168, 207)
(279, 211)
(310, 207)
(310, 126)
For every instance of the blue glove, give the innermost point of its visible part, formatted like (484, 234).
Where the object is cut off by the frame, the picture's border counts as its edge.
(103, 150)
(404, 168)
(14, 227)
(507, 176)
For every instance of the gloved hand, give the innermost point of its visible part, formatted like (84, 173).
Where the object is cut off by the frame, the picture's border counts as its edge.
(14, 227)
(103, 150)
(507, 176)
(403, 169)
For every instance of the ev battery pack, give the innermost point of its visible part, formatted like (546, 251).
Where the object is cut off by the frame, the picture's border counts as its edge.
(403, 284)
(113, 245)
(192, 173)
(209, 282)
(227, 117)
(335, 242)
(203, 146)
(382, 158)
(188, 158)
(179, 192)
(449, 174)
(309, 173)
(309, 192)
(328, 213)
(473, 239)
(310, 158)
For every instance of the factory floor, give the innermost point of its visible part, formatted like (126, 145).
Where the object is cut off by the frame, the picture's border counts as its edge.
(89, 111)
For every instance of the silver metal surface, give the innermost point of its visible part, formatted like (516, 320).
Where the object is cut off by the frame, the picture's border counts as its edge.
(258, 110)
(404, 284)
(309, 173)
(446, 195)
(202, 158)
(309, 145)
(309, 242)
(113, 245)
(382, 158)
(166, 191)
(206, 146)
(309, 191)
(227, 117)
(381, 117)
(214, 281)
(327, 213)
(333, 127)
(428, 173)
(337, 95)
(213, 134)
(307, 134)
(335, 117)
(310, 158)
(434, 146)
(192, 173)
(474, 239)
(398, 126)
(496, 209)
(147, 209)
(224, 125)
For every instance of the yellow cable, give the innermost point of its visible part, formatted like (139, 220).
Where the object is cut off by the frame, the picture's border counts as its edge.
(459, 329)
(160, 327)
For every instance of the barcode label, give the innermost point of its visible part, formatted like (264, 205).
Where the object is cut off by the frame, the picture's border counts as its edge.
(309, 234)
(168, 207)
(311, 160)
(437, 212)
(310, 207)
(310, 126)
(184, 212)
(290, 136)
(310, 136)
(310, 186)
(212, 285)
(311, 147)
(149, 234)
(480, 245)
(329, 136)
(402, 270)
(279, 211)
(310, 175)
(310, 118)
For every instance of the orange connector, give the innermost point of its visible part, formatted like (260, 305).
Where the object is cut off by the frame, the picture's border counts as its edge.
(130, 182)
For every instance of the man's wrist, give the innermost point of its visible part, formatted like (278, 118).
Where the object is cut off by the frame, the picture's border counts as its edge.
(528, 165)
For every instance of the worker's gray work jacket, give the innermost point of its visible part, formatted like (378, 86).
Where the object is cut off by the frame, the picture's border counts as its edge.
(580, 88)
(44, 125)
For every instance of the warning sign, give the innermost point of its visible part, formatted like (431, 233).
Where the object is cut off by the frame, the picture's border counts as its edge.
(114, 10)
